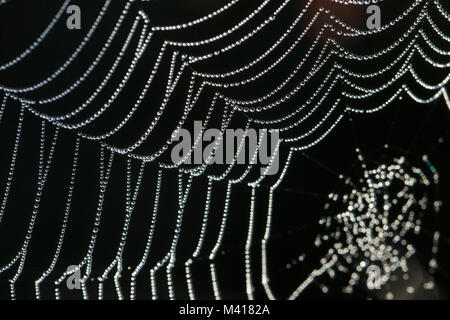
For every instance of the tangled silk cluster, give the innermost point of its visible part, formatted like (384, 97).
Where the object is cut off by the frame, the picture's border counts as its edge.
(268, 68)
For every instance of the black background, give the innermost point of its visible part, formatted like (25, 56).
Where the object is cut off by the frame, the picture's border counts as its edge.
(409, 128)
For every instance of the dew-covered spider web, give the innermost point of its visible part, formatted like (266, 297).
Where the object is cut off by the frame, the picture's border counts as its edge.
(88, 191)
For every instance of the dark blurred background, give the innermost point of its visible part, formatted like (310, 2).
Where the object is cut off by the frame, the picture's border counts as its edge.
(410, 129)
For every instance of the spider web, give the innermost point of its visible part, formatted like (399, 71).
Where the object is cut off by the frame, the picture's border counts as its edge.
(97, 120)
